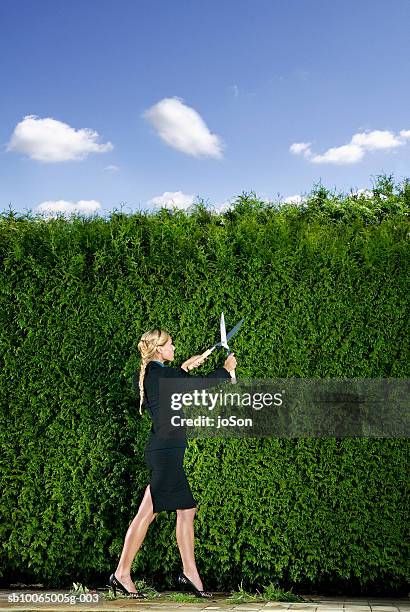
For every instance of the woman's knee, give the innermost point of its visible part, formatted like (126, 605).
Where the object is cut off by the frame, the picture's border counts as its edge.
(186, 513)
(145, 514)
(146, 509)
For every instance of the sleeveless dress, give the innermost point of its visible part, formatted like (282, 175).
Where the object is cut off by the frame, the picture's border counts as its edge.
(165, 448)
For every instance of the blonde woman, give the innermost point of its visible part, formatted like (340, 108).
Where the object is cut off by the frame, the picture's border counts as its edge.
(168, 489)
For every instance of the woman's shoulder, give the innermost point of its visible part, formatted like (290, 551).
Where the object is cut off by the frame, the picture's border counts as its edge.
(154, 368)
(153, 364)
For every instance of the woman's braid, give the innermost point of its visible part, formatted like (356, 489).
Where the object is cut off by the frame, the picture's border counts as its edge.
(147, 346)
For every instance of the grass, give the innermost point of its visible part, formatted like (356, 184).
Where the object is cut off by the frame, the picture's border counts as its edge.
(151, 593)
(272, 592)
(182, 597)
(78, 589)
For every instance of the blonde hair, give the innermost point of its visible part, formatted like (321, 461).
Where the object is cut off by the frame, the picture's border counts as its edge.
(147, 346)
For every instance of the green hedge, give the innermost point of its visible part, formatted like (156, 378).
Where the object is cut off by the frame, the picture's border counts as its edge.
(324, 290)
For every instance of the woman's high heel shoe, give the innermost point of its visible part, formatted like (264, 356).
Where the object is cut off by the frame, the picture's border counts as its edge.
(116, 584)
(186, 583)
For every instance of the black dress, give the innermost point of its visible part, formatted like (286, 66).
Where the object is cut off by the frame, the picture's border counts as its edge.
(165, 449)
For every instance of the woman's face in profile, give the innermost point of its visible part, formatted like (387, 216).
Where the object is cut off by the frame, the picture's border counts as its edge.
(167, 350)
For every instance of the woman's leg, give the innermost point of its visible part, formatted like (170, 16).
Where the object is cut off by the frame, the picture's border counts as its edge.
(185, 540)
(134, 538)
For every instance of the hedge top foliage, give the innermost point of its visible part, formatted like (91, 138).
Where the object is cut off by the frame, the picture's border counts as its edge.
(386, 199)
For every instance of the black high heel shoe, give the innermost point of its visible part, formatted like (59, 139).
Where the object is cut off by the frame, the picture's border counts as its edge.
(186, 583)
(116, 584)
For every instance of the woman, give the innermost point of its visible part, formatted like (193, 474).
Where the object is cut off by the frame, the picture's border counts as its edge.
(169, 489)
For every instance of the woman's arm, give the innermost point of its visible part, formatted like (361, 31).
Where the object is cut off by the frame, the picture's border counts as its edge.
(191, 381)
(192, 362)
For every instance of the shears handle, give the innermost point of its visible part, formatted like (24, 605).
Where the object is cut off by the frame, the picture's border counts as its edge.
(207, 353)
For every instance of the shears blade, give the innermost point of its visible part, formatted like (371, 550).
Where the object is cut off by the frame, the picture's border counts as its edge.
(230, 334)
(224, 341)
(235, 329)
(224, 337)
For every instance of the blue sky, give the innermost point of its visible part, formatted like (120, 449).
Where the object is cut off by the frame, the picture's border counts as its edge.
(115, 103)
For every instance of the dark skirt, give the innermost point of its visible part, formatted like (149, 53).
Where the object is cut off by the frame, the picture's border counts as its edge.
(169, 486)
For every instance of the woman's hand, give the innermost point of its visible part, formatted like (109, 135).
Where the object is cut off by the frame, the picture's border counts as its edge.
(193, 362)
(230, 363)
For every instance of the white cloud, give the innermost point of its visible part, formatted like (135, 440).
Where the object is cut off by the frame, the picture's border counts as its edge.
(346, 154)
(111, 168)
(52, 207)
(378, 139)
(49, 140)
(300, 147)
(226, 205)
(294, 199)
(169, 199)
(182, 128)
(365, 193)
(355, 150)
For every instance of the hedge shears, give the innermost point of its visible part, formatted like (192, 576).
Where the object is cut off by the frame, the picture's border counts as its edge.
(223, 343)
